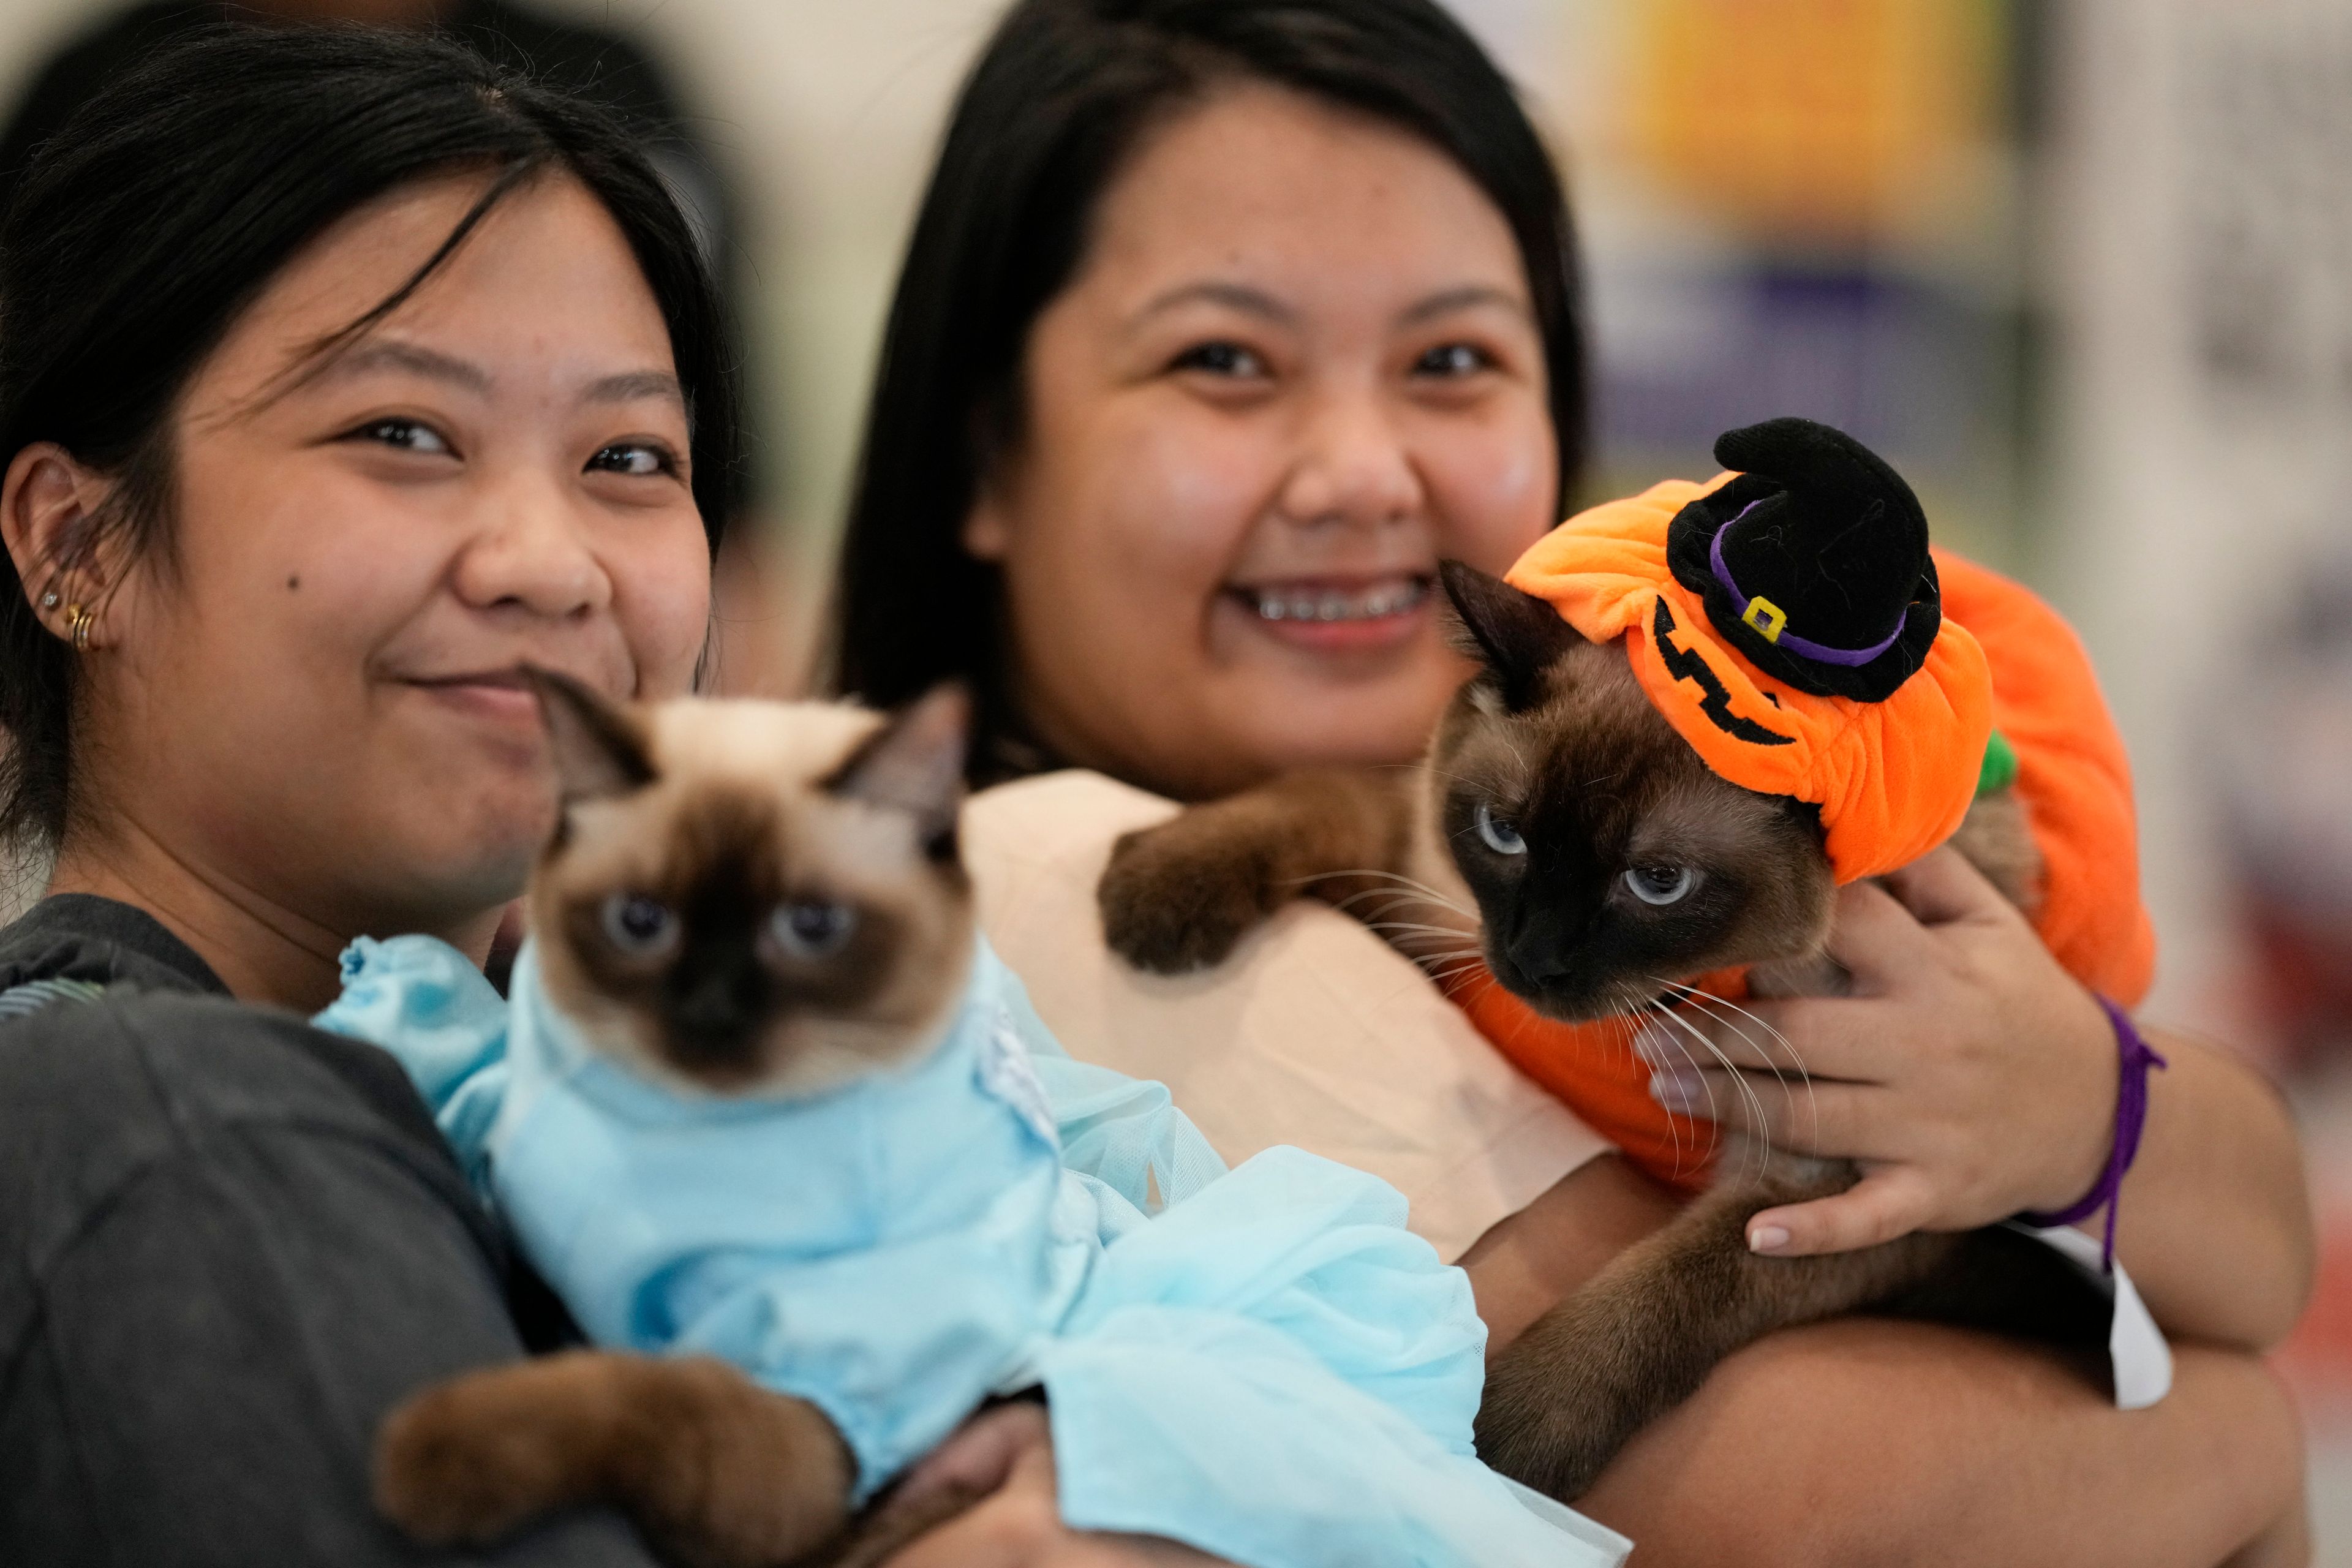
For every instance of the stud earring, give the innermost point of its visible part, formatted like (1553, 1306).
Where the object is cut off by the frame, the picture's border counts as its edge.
(50, 600)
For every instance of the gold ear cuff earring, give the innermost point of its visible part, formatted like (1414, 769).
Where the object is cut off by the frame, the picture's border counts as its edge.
(78, 622)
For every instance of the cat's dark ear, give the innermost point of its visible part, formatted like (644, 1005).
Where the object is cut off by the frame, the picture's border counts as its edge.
(915, 763)
(601, 748)
(1515, 635)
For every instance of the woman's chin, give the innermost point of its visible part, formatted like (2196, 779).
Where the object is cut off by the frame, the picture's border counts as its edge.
(472, 855)
(1293, 722)
(1264, 729)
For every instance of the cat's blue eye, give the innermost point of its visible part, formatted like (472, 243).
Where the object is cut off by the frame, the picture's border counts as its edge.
(1500, 836)
(639, 926)
(810, 930)
(1661, 885)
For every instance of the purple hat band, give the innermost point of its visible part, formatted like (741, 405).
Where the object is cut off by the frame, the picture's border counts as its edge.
(1768, 618)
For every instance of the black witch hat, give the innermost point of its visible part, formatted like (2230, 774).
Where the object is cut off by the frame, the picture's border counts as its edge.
(1814, 563)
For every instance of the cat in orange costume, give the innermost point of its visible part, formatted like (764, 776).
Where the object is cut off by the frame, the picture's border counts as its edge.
(1700, 709)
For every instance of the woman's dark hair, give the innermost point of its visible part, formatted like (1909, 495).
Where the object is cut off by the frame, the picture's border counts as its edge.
(1059, 100)
(142, 230)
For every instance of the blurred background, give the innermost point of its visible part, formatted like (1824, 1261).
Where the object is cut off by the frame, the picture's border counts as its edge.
(2081, 269)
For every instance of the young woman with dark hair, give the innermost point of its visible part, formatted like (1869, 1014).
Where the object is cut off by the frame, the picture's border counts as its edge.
(1223, 320)
(338, 372)
(1054, 111)
(124, 271)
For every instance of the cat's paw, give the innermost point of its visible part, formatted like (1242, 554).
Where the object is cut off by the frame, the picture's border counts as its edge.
(1180, 896)
(1549, 1428)
(468, 1461)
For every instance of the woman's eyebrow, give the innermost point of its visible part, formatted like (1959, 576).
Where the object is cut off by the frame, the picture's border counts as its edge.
(1469, 294)
(632, 384)
(625, 386)
(1234, 296)
(392, 354)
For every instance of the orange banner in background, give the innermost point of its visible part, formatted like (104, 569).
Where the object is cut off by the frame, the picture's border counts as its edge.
(1828, 118)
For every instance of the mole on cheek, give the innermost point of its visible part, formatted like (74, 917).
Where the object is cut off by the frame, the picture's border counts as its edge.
(293, 583)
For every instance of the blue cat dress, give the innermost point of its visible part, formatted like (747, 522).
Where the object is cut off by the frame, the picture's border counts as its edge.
(1262, 1362)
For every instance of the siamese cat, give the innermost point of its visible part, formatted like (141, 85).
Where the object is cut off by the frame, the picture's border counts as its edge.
(759, 1091)
(740, 899)
(1564, 833)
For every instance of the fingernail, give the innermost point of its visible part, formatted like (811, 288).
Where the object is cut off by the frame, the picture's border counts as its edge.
(1677, 1091)
(1654, 1043)
(1767, 1239)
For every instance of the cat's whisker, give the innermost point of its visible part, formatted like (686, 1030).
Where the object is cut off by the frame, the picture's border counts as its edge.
(1709, 1001)
(1643, 1003)
(1754, 1101)
(1397, 894)
(1418, 888)
(1786, 1045)
(1651, 1003)
(1445, 958)
(1690, 1061)
(1423, 948)
(1390, 900)
(1629, 1002)
(1435, 772)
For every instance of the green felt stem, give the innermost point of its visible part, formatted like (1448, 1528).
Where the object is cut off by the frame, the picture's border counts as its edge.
(2000, 770)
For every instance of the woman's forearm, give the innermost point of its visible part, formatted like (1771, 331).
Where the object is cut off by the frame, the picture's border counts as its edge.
(2215, 1221)
(1865, 1441)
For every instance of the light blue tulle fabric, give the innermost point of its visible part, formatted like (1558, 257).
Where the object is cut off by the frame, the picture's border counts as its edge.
(1261, 1363)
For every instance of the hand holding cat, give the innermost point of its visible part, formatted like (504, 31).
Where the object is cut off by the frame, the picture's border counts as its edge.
(1969, 1075)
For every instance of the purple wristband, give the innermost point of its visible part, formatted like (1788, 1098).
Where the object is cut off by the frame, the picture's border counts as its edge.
(2134, 1057)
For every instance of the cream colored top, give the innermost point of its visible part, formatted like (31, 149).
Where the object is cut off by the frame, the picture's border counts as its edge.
(1314, 1032)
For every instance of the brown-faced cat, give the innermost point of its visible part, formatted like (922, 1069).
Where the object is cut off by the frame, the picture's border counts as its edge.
(1564, 832)
(741, 898)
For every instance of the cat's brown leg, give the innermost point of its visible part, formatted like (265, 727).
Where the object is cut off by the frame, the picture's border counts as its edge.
(1642, 1334)
(718, 1472)
(1179, 895)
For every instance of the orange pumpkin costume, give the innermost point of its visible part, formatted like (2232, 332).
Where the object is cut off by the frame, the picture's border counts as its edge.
(1892, 774)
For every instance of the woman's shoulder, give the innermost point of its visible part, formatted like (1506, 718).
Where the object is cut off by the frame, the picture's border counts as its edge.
(1314, 1032)
(71, 940)
(110, 1024)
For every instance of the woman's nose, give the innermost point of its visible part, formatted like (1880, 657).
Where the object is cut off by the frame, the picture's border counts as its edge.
(1352, 466)
(532, 552)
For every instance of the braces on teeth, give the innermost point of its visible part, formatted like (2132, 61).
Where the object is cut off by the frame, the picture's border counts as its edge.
(1342, 607)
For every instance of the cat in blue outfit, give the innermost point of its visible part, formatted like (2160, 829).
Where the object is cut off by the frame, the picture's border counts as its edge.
(789, 1141)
